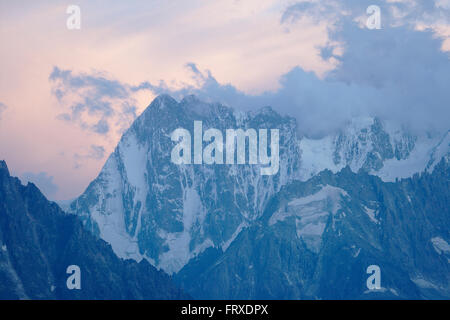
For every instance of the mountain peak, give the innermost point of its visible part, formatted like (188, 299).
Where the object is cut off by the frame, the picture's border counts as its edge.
(192, 98)
(267, 111)
(163, 106)
(4, 167)
(163, 100)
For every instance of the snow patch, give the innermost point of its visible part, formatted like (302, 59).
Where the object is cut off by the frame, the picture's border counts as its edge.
(227, 243)
(108, 214)
(135, 161)
(316, 156)
(371, 213)
(311, 214)
(179, 252)
(309, 207)
(424, 284)
(416, 162)
(442, 149)
(356, 254)
(440, 245)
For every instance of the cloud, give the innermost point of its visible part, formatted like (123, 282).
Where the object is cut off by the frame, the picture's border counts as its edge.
(3, 107)
(94, 101)
(206, 87)
(43, 181)
(398, 73)
(95, 152)
(394, 12)
(310, 9)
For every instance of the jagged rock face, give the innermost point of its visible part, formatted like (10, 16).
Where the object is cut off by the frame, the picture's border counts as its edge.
(147, 206)
(189, 217)
(316, 239)
(38, 242)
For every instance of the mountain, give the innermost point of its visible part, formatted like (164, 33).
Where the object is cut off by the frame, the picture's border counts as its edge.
(316, 239)
(38, 242)
(221, 222)
(148, 207)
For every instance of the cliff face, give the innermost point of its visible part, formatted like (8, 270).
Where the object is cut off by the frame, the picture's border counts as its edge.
(38, 241)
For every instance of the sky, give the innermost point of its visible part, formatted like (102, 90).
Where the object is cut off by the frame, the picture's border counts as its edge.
(67, 95)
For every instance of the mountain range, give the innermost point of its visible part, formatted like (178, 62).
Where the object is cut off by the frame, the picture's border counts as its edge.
(372, 193)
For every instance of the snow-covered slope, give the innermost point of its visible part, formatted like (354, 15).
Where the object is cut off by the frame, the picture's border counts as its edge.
(375, 146)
